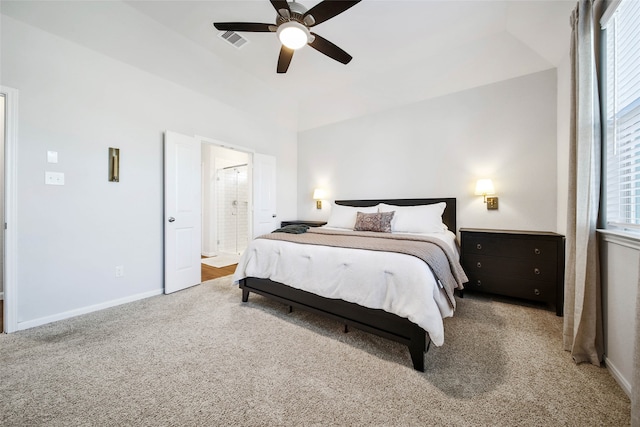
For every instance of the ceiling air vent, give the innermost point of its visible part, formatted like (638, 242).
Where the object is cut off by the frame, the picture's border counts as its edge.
(234, 38)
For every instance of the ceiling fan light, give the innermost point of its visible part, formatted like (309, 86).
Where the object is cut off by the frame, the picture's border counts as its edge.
(293, 35)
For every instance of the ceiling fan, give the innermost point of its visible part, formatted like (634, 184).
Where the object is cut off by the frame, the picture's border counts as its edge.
(292, 27)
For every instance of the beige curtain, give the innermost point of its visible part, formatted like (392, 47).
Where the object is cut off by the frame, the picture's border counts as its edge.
(582, 304)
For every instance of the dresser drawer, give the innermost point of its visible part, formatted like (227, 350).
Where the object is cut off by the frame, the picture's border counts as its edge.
(518, 288)
(523, 268)
(510, 247)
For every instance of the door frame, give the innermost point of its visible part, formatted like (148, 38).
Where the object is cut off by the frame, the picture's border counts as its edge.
(251, 153)
(10, 281)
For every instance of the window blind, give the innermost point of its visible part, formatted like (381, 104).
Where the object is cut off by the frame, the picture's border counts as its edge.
(622, 113)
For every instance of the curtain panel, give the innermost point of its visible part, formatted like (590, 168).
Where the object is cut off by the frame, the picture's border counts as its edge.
(583, 332)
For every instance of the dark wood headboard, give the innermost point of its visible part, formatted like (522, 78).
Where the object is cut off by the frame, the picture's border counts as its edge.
(448, 216)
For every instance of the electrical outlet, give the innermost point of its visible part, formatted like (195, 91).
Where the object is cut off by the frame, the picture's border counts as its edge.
(119, 270)
(54, 178)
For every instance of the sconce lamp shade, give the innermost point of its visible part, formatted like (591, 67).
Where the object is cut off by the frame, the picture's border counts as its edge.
(484, 187)
(319, 194)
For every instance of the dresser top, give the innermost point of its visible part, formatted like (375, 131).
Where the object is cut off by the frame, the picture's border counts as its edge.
(521, 232)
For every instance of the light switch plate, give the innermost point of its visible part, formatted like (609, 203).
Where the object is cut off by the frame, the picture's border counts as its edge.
(54, 178)
(52, 156)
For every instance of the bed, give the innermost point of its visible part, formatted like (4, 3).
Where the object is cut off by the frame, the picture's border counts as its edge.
(407, 306)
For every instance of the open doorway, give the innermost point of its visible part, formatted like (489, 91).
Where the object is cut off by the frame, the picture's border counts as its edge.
(226, 219)
(188, 219)
(233, 209)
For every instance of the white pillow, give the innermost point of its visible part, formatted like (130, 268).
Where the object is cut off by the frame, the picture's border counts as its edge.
(416, 219)
(345, 216)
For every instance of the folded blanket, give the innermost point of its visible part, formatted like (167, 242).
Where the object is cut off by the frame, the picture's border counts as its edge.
(293, 229)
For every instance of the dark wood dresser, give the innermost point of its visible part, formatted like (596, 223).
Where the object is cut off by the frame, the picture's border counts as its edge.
(519, 264)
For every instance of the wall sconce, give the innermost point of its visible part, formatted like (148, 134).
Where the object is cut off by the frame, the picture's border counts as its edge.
(114, 164)
(319, 195)
(484, 187)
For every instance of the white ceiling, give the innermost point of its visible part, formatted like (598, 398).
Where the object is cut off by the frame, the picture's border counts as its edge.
(403, 51)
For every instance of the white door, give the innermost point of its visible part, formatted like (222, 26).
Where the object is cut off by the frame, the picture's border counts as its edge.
(182, 212)
(10, 250)
(264, 194)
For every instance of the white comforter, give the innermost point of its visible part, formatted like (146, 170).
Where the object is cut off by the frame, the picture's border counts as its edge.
(400, 284)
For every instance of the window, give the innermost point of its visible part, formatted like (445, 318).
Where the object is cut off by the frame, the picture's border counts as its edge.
(621, 111)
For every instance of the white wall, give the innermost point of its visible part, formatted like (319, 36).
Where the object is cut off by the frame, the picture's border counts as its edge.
(118, 30)
(438, 148)
(620, 260)
(79, 102)
(564, 123)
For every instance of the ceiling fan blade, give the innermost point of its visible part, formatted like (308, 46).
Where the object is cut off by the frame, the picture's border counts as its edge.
(244, 26)
(327, 9)
(331, 50)
(279, 5)
(284, 59)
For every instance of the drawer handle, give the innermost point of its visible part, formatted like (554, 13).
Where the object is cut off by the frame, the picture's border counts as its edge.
(536, 251)
(536, 291)
(478, 246)
(479, 264)
(479, 282)
(536, 270)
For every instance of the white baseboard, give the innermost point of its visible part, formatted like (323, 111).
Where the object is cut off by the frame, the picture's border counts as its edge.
(615, 373)
(84, 310)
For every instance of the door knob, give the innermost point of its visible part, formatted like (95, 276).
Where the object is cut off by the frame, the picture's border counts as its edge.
(171, 219)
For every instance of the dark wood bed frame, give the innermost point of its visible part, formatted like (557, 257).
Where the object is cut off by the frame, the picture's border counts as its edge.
(375, 321)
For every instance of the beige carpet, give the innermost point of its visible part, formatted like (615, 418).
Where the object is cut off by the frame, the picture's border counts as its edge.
(221, 260)
(200, 357)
